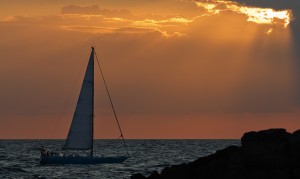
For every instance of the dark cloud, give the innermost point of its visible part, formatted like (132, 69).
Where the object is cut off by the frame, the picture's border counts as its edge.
(279, 5)
(275, 4)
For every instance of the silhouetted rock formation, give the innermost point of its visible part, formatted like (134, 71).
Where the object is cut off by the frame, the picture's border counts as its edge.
(268, 154)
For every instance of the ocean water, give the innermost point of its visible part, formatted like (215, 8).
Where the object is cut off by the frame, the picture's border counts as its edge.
(20, 159)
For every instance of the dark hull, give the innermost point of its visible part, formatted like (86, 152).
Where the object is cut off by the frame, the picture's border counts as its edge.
(57, 160)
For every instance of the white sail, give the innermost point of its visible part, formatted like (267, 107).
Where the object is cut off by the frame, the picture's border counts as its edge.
(80, 136)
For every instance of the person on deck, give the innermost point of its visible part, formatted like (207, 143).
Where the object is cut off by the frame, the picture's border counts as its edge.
(44, 152)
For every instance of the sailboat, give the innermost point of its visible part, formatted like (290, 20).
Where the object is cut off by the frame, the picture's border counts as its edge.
(81, 132)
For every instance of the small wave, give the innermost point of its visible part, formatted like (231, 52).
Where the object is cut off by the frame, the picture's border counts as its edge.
(10, 169)
(162, 165)
(38, 176)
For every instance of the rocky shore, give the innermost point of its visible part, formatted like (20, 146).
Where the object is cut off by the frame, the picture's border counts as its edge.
(268, 154)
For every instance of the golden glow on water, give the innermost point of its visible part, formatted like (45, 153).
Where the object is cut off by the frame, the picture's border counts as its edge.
(254, 14)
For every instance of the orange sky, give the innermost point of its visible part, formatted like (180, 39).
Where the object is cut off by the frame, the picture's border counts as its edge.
(175, 69)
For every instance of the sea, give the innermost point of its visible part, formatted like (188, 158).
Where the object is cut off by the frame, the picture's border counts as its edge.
(20, 158)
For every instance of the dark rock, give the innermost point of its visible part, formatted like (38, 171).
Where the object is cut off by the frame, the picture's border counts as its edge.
(175, 171)
(137, 176)
(268, 154)
(268, 148)
(296, 133)
(264, 135)
(154, 175)
(295, 151)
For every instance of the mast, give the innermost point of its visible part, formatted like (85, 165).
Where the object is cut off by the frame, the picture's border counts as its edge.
(93, 103)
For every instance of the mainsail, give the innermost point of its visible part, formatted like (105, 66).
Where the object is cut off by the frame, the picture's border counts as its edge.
(80, 136)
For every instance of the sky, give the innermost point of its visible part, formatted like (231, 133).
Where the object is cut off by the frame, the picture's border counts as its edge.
(176, 69)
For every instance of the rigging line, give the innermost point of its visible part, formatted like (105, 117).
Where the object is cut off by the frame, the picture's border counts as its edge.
(122, 136)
